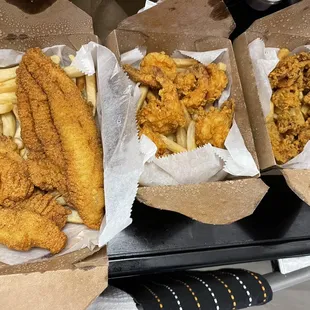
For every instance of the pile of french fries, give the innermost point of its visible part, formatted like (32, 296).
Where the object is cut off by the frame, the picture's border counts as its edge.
(184, 139)
(9, 121)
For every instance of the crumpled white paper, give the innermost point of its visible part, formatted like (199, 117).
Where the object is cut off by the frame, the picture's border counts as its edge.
(264, 60)
(149, 4)
(203, 164)
(123, 160)
(79, 236)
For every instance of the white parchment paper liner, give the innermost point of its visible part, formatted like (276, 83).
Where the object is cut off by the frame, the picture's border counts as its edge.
(264, 60)
(205, 163)
(79, 236)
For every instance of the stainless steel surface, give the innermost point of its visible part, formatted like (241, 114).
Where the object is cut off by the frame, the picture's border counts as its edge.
(279, 282)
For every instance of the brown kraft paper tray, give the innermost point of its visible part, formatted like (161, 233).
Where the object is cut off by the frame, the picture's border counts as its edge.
(194, 26)
(74, 280)
(288, 28)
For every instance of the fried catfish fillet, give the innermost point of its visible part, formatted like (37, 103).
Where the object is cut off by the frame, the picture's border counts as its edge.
(22, 230)
(164, 114)
(15, 184)
(46, 206)
(78, 134)
(213, 126)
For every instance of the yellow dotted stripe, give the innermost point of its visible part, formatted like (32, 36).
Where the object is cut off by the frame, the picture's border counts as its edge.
(155, 296)
(261, 285)
(228, 290)
(191, 291)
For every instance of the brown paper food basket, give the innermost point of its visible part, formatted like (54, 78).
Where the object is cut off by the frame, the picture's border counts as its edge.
(288, 28)
(194, 26)
(74, 280)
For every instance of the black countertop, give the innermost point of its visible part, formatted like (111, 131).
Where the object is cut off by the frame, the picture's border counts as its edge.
(161, 240)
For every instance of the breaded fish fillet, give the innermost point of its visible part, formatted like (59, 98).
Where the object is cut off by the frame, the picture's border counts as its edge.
(15, 184)
(46, 206)
(22, 230)
(78, 135)
(43, 122)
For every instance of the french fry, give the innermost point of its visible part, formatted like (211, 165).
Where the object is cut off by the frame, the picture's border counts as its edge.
(8, 86)
(9, 124)
(80, 83)
(191, 141)
(55, 59)
(74, 217)
(143, 91)
(283, 52)
(19, 143)
(8, 74)
(222, 66)
(8, 97)
(1, 126)
(23, 153)
(184, 62)
(74, 80)
(6, 107)
(73, 72)
(172, 137)
(271, 114)
(15, 111)
(172, 146)
(91, 90)
(181, 137)
(187, 116)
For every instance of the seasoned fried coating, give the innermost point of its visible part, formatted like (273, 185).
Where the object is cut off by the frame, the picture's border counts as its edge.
(162, 115)
(304, 135)
(198, 97)
(46, 206)
(285, 98)
(46, 175)
(217, 82)
(159, 60)
(185, 82)
(284, 148)
(155, 137)
(287, 73)
(146, 76)
(28, 133)
(15, 184)
(78, 135)
(22, 230)
(213, 126)
(43, 122)
(290, 120)
(283, 52)
(138, 76)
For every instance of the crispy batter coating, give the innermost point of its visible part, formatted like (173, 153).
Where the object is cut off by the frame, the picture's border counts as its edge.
(285, 98)
(287, 73)
(15, 184)
(284, 148)
(304, 135)
(146, 76)
(185, 82)
(162, 115)
(217, 82)
(198, 97)
(155, 137)
(78, 135)
(290, 120)
(46, 206)
(43, 122)
(159, 60)
(213, 126)
(22, 230)
(140, 77)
